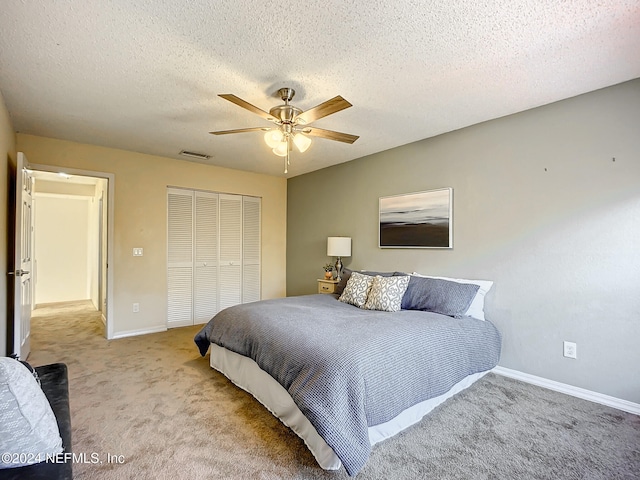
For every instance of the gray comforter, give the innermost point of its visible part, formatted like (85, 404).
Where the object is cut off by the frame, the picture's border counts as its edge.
(347, 368)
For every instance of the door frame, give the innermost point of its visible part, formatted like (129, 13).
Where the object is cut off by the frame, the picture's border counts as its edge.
(110, 177)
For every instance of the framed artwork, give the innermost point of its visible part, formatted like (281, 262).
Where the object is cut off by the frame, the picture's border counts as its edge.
(417, 220)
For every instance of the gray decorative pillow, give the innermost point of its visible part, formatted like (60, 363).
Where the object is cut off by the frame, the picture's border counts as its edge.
(357, 289)
(439, 296)
(28, 428)
(375, 274)
(386, 293)
(346, 273)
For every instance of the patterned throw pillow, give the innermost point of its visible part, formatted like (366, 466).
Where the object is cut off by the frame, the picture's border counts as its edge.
(357, 289)
(28, 427)
(386, 293)
(27, 366)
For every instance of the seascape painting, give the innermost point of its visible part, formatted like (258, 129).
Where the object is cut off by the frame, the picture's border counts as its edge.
(417, 220)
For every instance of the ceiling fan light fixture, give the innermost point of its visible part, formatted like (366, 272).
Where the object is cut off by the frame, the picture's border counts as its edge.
(291, 122)
(273, 138)
(282, 149)
(302, 142)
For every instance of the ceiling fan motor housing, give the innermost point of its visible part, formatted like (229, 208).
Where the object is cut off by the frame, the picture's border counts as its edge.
(285, 113)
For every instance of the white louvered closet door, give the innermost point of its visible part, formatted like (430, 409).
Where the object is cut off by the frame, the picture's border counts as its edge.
(213, 254)
(179, 258)
(206, 257)
(230, 250)
(250, 249)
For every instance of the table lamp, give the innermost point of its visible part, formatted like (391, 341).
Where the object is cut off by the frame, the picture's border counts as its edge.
(339, 247)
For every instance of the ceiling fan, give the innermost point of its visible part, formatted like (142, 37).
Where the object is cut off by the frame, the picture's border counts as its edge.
(292, 124)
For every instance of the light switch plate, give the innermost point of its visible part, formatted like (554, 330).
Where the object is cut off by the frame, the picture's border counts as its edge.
(137, 252)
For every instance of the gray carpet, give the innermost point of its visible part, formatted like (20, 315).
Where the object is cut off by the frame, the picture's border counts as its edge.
(156, 403)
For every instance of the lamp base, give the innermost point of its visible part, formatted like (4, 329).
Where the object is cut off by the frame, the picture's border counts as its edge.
(339, 269)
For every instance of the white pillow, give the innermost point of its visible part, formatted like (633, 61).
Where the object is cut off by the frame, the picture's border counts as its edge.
(476, 309)
(386, 293)
(357, 289)
(28, 428)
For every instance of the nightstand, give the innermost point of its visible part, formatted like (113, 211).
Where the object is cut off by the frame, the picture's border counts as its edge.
(327, 286)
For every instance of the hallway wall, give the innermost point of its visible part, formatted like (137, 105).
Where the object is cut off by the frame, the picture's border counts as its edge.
(61, 248)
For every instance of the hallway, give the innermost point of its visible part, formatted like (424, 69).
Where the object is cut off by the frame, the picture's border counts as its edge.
(60, 331)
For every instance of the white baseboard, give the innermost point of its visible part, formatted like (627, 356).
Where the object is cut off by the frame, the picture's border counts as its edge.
(142, 331)
(582, 393)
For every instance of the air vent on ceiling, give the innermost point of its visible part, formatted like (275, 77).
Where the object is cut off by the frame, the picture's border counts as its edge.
(199, 156)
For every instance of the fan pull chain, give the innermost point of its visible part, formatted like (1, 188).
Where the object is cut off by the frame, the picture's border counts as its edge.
(286, 158)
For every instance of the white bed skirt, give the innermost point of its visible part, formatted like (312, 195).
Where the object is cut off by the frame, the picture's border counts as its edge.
(246, 374)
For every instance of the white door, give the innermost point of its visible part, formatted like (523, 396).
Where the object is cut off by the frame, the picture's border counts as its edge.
(213, 254)
(22, 260)
(230, 250)
(205, 296)
(179, 258)
(250, 249)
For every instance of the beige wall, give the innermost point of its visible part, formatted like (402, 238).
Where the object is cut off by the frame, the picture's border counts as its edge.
(61, 240)
(140, 219)
(8, 157)
(540, 207)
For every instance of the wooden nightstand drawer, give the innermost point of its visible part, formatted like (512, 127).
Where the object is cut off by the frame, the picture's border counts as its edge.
(327, 286)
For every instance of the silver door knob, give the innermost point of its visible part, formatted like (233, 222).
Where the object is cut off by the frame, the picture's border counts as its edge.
(18, 273)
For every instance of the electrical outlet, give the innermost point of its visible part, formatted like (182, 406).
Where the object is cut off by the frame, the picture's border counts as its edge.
(570, 350)
(136, 307)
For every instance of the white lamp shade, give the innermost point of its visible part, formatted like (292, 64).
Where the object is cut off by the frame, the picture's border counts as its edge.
(302, 142)
(281, 149)
(339, 246)
(273, 138)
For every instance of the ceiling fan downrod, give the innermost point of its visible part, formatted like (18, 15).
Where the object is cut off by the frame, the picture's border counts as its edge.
(286, 94)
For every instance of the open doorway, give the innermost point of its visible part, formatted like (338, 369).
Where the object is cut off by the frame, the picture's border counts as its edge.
(71, 238)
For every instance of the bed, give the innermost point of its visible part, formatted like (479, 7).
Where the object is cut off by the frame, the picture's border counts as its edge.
(344, 377)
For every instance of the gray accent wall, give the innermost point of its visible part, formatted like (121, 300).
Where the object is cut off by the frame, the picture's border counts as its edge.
(546, 203)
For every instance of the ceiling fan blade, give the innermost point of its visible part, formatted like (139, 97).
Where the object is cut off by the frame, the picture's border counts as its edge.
(240, 130)
(244, 104)
(327, 108)
(329, 134)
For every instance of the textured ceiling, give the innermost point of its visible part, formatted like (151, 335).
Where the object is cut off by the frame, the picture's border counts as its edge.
(144, 75)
